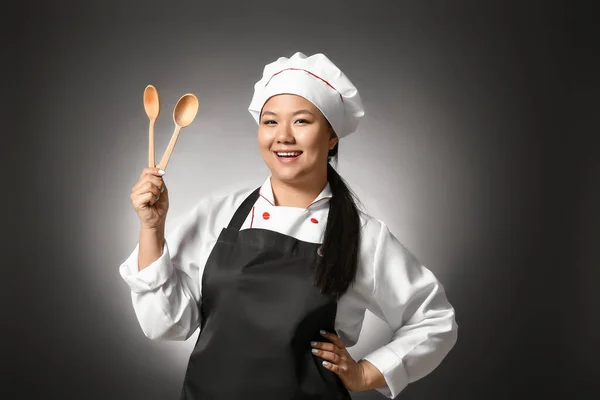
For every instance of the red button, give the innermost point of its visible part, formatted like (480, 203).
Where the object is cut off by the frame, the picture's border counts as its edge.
(314, 220)
(266, 215)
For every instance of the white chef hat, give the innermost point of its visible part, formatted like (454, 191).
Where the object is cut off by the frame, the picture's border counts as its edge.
(316, 79)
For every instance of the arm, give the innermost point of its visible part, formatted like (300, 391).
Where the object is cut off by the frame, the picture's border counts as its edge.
(163, 275)
(152, 241)
(412, 301)
(372, 377)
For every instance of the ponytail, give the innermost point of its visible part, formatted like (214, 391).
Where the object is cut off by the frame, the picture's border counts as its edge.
(338, 263)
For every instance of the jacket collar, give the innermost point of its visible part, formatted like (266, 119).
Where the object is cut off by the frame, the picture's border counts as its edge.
(266, 192)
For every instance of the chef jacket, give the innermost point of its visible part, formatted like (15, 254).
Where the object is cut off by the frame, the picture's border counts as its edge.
(390, 283)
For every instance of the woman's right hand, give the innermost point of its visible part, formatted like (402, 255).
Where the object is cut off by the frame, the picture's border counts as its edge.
(150, 199)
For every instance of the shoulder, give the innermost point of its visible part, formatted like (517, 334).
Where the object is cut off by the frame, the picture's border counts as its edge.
(377, 240)
(223, 202)
(224, 199)
(213, 211)
(370, 227)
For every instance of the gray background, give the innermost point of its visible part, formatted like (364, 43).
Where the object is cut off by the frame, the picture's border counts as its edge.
(468, 151)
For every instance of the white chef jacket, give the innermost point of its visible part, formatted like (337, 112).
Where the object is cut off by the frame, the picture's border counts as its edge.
(390, 283)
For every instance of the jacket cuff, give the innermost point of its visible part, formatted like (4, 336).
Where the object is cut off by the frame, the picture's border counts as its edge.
(392, 368)
(151, 277)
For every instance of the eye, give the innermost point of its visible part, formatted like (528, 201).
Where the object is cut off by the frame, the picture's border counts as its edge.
(269, 122)
(302, 121)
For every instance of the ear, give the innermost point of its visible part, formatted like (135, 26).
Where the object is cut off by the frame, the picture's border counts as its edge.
(333, 139)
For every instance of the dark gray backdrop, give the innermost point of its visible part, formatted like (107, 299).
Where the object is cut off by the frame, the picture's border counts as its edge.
(467, 151)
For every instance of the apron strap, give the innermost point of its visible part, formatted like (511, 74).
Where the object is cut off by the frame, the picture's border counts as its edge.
(242, 212)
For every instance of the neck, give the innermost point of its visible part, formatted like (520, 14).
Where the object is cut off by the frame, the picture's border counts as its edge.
(299, 195)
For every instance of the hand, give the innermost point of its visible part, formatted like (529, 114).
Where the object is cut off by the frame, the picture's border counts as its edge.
(150, 199)
(338, 360)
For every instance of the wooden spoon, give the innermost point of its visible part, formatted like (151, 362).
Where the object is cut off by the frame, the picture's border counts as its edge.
(183, 115)
(152, 107)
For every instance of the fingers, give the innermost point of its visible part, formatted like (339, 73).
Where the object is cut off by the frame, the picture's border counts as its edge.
(144, 200)
(338, 369)
(153, 184)
(151, 171)
(333, 338)
(147, 193)
(155, 179)
(338, 360)
(148, 188)
(328, 351)
(324, 346)
(331, 356)
(334, 353)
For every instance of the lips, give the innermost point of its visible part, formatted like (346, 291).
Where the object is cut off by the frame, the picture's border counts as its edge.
(287, 157)
(287, 154)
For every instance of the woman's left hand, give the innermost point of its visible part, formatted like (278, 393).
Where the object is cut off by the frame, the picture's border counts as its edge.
(338, 360)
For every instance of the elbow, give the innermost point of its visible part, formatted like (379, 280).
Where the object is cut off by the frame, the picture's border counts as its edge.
(161, 322)
(163, 336)
(443, 319)
(446, 342)
(447, 332)
(162, 332)
(451, 337)
(441, 330)
(157, 325)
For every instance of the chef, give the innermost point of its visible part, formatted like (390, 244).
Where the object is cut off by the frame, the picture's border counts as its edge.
(278, 278)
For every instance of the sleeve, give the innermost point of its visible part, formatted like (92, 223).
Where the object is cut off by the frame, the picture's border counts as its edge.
(165, 295)
(413, 302)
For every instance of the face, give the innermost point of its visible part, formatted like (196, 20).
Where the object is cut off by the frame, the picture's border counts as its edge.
(294, 139)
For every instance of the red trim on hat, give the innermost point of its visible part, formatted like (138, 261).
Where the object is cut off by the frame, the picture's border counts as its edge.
(307, 71)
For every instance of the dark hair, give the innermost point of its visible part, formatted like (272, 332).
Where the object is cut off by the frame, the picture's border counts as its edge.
(337, 266)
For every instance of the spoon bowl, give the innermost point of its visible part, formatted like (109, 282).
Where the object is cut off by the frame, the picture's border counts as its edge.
(151, 102)
(152, 108)
(185, 110)
(184, 113)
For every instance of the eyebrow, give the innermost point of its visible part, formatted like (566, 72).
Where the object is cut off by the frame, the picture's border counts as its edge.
(294, 114)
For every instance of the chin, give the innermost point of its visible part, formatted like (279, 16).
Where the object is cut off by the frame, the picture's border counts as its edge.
(287, 176)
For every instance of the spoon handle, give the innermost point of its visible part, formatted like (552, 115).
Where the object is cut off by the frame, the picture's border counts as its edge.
(165, 158)
(151, 160)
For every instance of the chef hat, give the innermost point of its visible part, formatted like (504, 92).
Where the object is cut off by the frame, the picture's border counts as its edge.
(316, 79)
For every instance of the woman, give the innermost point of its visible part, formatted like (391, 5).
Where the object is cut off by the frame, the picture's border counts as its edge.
(278, 279)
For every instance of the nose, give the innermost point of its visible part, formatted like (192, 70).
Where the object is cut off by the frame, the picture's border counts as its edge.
(284, 134)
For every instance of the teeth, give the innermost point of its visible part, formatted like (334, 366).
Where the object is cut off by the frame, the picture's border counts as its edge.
(288, 154)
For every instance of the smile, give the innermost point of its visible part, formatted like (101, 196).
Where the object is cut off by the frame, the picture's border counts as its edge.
(287, 157)
(288, 154)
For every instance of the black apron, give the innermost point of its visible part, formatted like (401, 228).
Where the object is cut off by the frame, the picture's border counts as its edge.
(260, 311)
